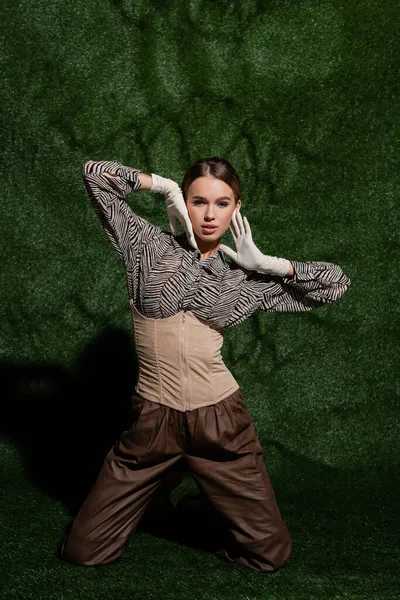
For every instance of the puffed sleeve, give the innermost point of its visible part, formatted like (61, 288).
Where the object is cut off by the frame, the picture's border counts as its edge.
(314, 284)
(107, 184)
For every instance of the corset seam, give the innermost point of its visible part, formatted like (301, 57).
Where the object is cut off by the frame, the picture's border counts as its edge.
(159, 377)
(210, 367)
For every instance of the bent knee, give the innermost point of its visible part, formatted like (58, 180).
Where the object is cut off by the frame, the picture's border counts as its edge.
(279, 548)
(86, 553)
(271, 552)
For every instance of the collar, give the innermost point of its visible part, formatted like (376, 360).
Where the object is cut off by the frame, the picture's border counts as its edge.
(215, 263)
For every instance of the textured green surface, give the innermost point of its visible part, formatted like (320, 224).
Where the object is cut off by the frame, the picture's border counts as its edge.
(302, 98)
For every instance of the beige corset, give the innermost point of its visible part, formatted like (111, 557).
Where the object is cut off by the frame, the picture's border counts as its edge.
(180, 362)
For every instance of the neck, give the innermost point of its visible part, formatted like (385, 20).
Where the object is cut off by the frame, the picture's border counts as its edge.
(207, 248)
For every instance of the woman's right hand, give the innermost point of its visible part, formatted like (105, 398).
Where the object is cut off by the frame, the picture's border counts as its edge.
(175, 204)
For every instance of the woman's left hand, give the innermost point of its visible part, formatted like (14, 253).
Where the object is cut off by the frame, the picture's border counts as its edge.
(248, 255)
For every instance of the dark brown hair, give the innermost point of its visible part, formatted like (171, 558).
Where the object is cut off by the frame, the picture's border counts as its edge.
(216, 167)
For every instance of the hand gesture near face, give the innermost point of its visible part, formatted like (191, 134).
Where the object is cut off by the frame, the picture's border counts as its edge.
(247, 254)
(175, 205)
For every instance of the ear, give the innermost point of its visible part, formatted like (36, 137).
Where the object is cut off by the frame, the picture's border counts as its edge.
(238, 204)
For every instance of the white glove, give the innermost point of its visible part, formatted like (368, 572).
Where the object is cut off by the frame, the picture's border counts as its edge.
(175, 204)
(248, 255)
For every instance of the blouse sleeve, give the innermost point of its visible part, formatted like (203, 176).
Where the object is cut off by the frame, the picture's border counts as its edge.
(314, 284)
(107, 184)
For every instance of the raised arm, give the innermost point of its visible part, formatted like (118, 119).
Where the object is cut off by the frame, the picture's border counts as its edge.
(314, 284)
(107, 184)
(277, 284)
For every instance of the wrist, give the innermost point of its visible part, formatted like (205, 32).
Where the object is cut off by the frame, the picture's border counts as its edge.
(145, 181)
(291, 271)
(273, 265)
(162, 185)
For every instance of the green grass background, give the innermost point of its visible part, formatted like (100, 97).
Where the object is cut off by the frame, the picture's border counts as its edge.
(303, 98)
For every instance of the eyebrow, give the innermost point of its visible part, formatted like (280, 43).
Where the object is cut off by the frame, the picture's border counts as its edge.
(202, 198)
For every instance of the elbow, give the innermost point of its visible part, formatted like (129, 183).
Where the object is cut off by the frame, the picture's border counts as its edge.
(87, 167)
(339, 287)
(344, 283)
(339, 290)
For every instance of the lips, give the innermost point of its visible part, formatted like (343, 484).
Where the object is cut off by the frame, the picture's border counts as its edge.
(209, 227)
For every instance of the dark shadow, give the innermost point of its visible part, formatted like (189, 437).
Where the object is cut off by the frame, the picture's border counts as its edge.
(192, 522)
(64, 421)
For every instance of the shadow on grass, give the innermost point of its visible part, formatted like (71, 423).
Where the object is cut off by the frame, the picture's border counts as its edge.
(64, 421)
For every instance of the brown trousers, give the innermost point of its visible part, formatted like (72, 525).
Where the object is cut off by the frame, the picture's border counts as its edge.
(224, 456)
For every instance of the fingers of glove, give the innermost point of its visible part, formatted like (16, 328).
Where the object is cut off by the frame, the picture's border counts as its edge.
(190, 228)
(239, 219)
(239, 223)
(247, 228)
(183, 216)
(192, 242)
(172, 224)
(233, 234)
(189, 233)
(233, 225)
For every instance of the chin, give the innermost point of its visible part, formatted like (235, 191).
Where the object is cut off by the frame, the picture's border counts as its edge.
(209, 236)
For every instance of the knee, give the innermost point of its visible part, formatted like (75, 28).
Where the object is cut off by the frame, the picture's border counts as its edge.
(83, 553)
(270, 553)
(75, 553)
(279, 548)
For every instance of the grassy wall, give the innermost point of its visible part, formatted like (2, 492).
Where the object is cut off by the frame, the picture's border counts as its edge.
(302, 98)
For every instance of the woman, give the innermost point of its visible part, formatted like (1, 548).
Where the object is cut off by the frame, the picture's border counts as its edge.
(183, 294)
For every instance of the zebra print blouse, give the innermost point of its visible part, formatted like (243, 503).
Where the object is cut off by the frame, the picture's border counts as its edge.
(164, 273)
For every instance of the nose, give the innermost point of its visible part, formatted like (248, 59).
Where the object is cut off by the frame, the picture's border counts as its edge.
(209, 213)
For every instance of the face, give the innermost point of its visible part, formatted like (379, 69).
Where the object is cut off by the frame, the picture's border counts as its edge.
(210, 201)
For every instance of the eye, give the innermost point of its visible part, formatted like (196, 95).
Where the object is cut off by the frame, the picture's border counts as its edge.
(195, 202)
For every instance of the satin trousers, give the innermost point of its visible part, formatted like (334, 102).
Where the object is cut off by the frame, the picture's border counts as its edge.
(224, 456)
